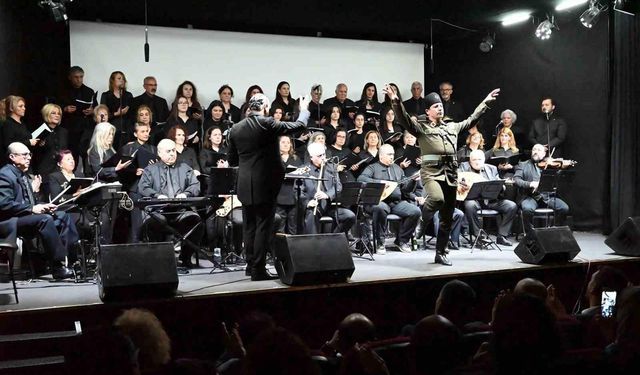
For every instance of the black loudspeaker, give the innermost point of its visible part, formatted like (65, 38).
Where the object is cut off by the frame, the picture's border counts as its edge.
(127, 271)
(625, 240)
(313, 258)
(548, 245)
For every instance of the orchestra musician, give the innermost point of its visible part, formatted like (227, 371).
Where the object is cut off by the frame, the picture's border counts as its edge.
(322, 193)
(253, 147)
(17, 199)
(506, 208)
(169, 179)
(438, 141)
(527, 177)
(385, 171)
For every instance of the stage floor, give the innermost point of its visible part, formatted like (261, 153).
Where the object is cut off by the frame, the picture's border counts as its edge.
(392, 267)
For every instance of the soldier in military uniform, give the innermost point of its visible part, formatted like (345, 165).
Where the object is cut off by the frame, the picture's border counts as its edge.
(438, 141)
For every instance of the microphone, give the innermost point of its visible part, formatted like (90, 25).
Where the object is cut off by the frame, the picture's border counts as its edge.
(96, 179)
(546, 113)
(333, 160)
(498, 127)
(146, 52)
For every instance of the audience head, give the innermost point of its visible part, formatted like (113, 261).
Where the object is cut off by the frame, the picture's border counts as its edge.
(341, 92)
(278, 351)
(386, 154)
(167, 151)
(372, 139)
(508, 118)
(251, 91)
(76, 76)
(628, 319)
(259, 103)
(178, 134)
(456, 302)
(435, 345)
(15, 107)
(144, 115)
(416, 90)
(226, 93)
(286, 145)
(525, 334)
(101, 114)
(65, 161)
(316, 92)
(283, 90)
(213, 137)
(446, 90)
(605, 278)
(369, 93)
(254, 323)
(538, 152)
(51, 114)
(147, 334)
(531, 286)
(150, 85)
(355, 328)
(475, 139)
(117, 81)
(19, 155)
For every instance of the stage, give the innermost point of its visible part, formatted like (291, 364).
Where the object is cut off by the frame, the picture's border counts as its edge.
(394, 267)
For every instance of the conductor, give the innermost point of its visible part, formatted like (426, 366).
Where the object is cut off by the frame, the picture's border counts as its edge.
(253, 147)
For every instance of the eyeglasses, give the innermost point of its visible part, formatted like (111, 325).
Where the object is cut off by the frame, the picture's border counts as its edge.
(390, 153)
(24, 154)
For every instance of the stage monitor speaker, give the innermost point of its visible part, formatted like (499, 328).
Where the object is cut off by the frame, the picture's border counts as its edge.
(625, 240)
(313, 258)
(548, 245)
(127, 271)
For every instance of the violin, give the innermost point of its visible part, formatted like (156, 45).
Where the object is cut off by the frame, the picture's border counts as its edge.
(558, 163)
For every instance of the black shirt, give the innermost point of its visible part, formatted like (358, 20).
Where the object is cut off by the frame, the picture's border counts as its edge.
(158, 105)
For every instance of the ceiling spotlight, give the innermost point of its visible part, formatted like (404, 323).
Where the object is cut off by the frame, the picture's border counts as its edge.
(566, 4)
(516, 17)
(545, 29)
(592, 14)
(57, 8)
(487, 44)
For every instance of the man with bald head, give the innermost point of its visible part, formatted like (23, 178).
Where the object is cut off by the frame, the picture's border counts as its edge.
(397, 203)
(527, 177)
(17, 199)
(341, 101)
(164, 180)
(505, 207)
(354, 328)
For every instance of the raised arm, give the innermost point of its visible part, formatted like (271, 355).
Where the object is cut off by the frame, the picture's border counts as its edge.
(403, 118)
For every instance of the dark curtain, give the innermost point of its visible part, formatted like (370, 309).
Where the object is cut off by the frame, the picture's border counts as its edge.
(624, 120)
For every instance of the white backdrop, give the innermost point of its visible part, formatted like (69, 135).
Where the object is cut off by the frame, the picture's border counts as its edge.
(212, 58)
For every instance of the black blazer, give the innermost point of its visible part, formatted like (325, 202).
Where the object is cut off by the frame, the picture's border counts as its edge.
(526, 172)
(56, 182)
(13, 131)
(287, 193)
(12, 194)
(45, 156)
(254, 148)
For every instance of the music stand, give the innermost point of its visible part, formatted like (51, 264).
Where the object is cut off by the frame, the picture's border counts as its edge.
(549, 182)
(480, 191)
(223, 181)
(360, 194)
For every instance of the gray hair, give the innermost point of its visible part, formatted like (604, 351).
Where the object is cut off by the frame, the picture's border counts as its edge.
(258, 102)
(511, 113)
(165, 144)
(416, 83)
(315, 149)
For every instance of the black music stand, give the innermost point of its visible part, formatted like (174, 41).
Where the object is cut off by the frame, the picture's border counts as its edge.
(480, 191)
(360, 194)
(550, 180)
(223, 181)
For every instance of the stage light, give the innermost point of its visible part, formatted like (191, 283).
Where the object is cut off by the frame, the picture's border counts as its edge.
(566, 4)
(592, 14)
(57, 8)
(545, 29)
(517, 17)
(487, 44)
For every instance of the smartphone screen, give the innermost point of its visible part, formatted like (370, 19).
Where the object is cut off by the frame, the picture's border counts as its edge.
(608, 303)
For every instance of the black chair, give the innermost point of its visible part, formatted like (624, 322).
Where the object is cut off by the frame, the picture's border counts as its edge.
(8, 244)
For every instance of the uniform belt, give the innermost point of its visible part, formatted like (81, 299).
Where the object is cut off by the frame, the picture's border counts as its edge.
(437, 159)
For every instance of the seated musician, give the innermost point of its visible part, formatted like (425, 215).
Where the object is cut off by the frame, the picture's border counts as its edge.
(385, 170)
(505, 207)
(17, 199)
(526, 178)
(323, 193)
(165, 180)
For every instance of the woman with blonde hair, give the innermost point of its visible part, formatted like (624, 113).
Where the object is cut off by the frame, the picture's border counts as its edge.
(101, 150)
(475, 141)
(54, 139)
(14, 130)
